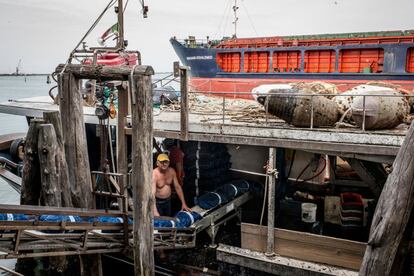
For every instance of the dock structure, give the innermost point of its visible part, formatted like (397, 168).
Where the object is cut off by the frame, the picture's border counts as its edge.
(79, 174)
(339, 257)
(139, 82)
(349, 142)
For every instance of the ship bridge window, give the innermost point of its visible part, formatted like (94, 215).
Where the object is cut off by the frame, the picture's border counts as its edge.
(256, 62)
(361, 60)
(410, 60)
(229, 62)
(286, 61)
(319, 61)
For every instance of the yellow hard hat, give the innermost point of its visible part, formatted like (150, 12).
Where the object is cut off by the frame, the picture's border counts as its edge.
(163, 157)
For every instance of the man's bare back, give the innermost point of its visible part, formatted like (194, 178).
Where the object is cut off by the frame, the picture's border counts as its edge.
(163, 181)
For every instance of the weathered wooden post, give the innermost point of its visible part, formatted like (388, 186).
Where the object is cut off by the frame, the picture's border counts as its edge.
(51, 175)
(141, 89)
(50, 194)
(30, 190)
(74, 135)
(392, 214)
(184, 116)
(271, 171)
(31, 182)
(53, 118)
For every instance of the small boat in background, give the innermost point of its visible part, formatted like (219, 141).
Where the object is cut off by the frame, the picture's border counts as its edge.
(11, 156)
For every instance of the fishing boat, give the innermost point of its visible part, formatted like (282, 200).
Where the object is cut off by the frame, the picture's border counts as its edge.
(346, 60)
(327, 180)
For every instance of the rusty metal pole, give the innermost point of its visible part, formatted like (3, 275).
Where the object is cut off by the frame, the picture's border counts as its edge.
(363, 113)
(224, 110)
(121, 42)
(312, 113)
(272, 174)
(122, 156)
(184, 103)
(267, 111)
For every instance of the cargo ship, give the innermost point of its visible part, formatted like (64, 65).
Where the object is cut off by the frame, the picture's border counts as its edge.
(346, 60)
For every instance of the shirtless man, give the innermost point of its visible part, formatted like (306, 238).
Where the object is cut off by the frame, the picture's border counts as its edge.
(162, 178)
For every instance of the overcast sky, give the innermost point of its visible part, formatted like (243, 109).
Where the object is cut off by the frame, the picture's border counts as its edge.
(43, 32)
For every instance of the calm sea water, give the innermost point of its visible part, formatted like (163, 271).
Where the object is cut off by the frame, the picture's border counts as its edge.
(14, 88)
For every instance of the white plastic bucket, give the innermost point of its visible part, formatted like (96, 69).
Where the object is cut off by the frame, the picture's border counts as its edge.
(309, 212)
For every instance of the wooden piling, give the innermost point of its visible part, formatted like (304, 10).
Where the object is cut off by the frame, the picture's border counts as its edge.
(31, 182)
(74, 135)
(50, 194)
(51, 174)
(53, 118)
(30, 190)
(392, 213)
(143, 229)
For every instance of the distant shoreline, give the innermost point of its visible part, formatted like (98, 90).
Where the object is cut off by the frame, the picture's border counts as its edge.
(23, 75)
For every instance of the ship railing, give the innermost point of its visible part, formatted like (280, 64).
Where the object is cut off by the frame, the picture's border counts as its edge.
(164, 78)
(227, 97)
(198, 43)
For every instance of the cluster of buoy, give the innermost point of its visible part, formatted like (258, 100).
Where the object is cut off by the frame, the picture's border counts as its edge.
(320, 104)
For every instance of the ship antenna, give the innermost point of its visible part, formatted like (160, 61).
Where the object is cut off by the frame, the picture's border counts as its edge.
(235, 8)
(120, 11)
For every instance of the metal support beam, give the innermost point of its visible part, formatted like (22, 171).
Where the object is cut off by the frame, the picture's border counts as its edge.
(184, 103)
(121, 42)
(371, 173)
(272, 174)
(122, 157)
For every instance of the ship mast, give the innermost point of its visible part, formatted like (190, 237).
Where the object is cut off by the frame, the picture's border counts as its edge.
(235, 8)
(121, 42)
